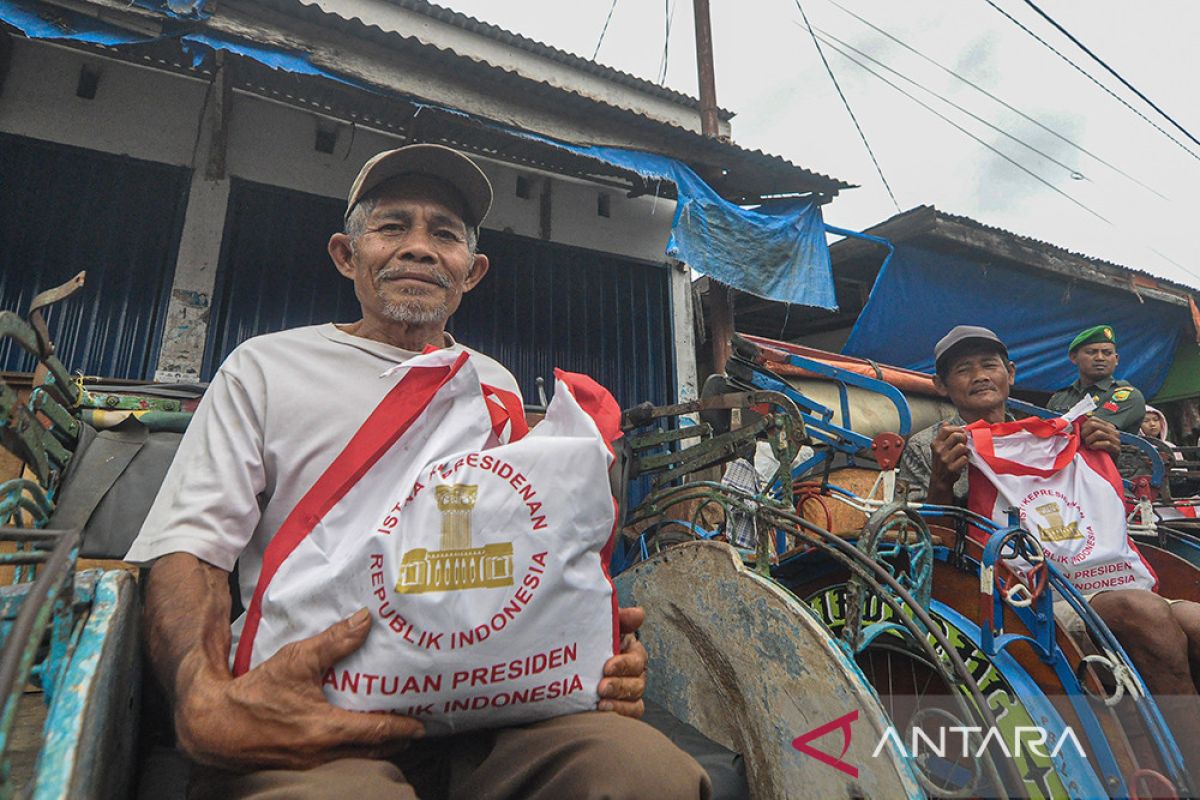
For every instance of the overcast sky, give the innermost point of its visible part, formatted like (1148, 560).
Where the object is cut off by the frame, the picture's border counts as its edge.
(769, 73)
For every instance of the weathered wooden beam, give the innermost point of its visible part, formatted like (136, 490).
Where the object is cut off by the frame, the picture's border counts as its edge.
(720, 323)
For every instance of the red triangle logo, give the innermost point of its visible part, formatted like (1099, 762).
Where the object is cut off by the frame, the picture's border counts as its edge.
(842, 723)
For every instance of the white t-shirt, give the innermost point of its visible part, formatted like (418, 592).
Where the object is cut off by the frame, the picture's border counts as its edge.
(277, 413)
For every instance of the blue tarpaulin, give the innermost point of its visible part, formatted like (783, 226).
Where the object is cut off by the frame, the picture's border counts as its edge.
(777, 252)
(38, 21)
(921, 294)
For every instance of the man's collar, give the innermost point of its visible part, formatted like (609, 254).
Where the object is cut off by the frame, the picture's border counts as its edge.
(1104, 384)
(958, 421)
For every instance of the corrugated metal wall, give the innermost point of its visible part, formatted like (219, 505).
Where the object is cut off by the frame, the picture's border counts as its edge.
(274, 271)
(65, 209)
(542, 305)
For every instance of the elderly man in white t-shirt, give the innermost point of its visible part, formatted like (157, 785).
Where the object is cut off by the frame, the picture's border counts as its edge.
(279, 409)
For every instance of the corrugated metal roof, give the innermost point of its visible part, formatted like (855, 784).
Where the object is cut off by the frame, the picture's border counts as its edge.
(925, 220)
(549, 52)
(750, 173)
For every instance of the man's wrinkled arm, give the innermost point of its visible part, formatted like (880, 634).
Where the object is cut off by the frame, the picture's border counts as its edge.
(273, 716)
(187, 622)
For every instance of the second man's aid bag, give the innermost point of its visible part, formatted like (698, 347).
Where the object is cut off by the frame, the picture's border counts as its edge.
(1068, 496)
(483, 564)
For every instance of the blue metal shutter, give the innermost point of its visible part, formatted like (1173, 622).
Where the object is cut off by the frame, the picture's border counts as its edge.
(547, 305)
(542, 305)
(274, 271)
(65, 209)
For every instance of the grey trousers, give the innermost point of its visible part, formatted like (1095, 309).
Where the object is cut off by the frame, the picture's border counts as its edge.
(593, 755)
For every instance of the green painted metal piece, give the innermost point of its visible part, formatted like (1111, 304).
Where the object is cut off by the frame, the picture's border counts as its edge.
(173, 421)
(62, 420)
(128, 402)
(22, 434)
(19, 494)
(703, 431)
(44, 449)
(21, 332)
(909, 537)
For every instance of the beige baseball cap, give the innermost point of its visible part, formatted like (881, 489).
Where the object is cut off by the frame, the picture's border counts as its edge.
(966, 333)
(436, 161)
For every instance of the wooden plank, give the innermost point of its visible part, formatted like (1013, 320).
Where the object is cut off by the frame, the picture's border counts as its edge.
(26, 739)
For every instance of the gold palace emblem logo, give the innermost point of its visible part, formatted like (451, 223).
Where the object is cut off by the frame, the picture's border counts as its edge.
(457, 565)
(1058, 531)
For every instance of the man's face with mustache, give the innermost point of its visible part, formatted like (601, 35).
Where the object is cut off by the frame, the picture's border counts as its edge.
(1095, 361)
(411, 264)
(977, 381)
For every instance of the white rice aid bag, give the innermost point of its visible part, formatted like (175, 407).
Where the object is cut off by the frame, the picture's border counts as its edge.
(484, 567)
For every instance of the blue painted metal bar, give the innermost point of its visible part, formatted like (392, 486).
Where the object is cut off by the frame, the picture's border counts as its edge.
(35, 616)
(1041, 622)
(1041, 616)
(817, 424)
(1073, 768)
(1160, 735)
(97, 683)
(844, 378)
(891, 248)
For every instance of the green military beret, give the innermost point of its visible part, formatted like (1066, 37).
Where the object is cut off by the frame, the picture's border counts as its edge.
(1100, 333)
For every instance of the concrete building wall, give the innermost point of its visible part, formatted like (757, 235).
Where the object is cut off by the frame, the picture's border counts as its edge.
(135, 112)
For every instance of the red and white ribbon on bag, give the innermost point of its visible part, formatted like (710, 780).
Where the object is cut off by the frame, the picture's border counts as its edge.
(1068, 496)
(483, 565)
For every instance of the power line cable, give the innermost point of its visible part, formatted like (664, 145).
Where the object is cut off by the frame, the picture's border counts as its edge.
(1111, 71)
(999, 100)
(963, 130)
(862, 135)
(604, 30)
(669, 16)
(1087, 75)
(1074, 173)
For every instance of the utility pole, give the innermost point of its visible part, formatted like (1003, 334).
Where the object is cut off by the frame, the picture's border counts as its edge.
(704, 66)
(720, 297)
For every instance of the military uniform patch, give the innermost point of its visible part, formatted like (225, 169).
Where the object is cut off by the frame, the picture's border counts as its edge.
(1121, 394)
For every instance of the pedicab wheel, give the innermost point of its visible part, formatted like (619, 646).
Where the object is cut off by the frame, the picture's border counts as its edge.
(744, 661)
(907, 684)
